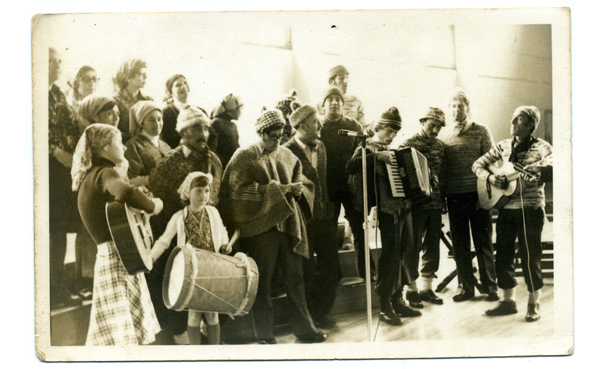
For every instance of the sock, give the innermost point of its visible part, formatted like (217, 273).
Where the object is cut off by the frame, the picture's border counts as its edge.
(534, 297)
(509, 294)
(194, 335)
(426, 283)
(412, 287)
(214, 334)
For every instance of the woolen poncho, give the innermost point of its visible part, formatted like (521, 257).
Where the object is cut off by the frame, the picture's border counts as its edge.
(251, 200)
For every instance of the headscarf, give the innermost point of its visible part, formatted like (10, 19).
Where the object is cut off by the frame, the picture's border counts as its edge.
(228, 104)
(285, 105)
(139, 112)
(269, 118)
(434, 113)
(92, 104)
(301, 113)
(190, 116)
(531, 111)
(188, 184)
(94, 138)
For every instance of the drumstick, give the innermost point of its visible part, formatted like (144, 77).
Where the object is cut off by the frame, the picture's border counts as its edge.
(234, 238)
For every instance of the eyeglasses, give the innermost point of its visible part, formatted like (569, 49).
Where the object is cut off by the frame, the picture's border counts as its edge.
(87, 79)
(275, 137)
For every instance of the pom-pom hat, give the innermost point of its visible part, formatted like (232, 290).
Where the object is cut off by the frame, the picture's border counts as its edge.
(531, 111)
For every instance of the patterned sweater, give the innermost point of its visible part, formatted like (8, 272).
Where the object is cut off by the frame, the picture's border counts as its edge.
(433, 149)
(533, 192)
(461, 150)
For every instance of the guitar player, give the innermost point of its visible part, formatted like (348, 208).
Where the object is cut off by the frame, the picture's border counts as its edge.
(523, 215)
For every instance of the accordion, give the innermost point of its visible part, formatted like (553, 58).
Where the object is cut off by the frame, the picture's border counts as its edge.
(409, 175)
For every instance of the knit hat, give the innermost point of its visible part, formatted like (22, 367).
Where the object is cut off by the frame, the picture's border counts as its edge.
(434, 113)
(190, 116)
(333, 90)
(188, 184)
(391, 118)
(269, 118)
(337, 70)
(138, 113)
(229, 103)
(91, 105)
(460, 96)
(300, 113)
(285, 105)
(531, 111)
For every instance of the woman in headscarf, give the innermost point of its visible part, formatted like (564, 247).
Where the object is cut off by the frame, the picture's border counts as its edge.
(122, 311)
(130, 79)
(145, 149)
(177, 89)
(84, 84)
(229, 139)
(99, 109)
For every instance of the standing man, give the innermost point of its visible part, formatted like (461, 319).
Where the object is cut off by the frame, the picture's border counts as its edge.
(261, 195)
(353, 108)
(192, 155)
(523, 215)
(465, 142)
(321, 279)
(63, 134)
(339, 152)
(427, 218)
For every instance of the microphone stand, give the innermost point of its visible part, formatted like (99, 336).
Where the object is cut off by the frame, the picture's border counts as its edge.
(363, 144)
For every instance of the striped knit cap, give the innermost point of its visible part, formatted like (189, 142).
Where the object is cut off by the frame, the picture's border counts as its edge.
(190, 116)
(391, 118)
(530, 111)
(434, 113)
(269, 118)
(459, 95)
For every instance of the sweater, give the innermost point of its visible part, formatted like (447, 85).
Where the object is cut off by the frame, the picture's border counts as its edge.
(321, 206)
(228, 137)
(339, 151)
(461, 151)
(252, 200)
(103, 184)
(125, 101)
(433, 149)
(143, 156)
(533, 194)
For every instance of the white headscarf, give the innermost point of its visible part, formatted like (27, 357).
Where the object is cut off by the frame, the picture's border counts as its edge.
(94, 138)
(184, 189)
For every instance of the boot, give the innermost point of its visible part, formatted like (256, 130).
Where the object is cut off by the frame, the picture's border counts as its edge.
(387, 313)
(404, 310)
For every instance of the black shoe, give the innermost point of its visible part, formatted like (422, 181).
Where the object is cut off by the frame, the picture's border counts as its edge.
(85, 293)
(403, 310)
(431, 297)
(533, 312)
(312, 337)
(492, 296)
(414, 299)
(324, 322)
(463, 296)
(504, 307)
(267, 341)
(387, 313)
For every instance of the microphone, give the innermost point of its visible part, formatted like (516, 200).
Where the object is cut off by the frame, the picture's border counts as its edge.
(345, 132)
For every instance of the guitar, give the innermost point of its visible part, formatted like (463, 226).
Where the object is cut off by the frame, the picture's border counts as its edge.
(132, 235)
(491, 196)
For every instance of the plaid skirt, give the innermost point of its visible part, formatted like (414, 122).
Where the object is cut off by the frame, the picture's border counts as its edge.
(122, 311)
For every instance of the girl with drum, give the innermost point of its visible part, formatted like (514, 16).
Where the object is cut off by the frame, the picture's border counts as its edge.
(197, 225)
(122, 311)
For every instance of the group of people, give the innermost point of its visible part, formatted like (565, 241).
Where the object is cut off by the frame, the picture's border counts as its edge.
(283, 195)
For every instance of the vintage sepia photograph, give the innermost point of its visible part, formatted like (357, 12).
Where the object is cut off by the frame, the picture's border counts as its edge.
(303, 185)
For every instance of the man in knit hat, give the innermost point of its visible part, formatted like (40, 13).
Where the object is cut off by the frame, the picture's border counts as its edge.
(320, 279)
(427, 218)
(262, 195)
(523, 215)
(465, 142)
(339, 151)
(338, 77)
(192, 155)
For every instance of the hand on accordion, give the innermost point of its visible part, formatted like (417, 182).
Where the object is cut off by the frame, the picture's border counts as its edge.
(385, 156)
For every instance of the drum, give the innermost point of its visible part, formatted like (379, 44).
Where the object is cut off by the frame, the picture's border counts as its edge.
(206, 281)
